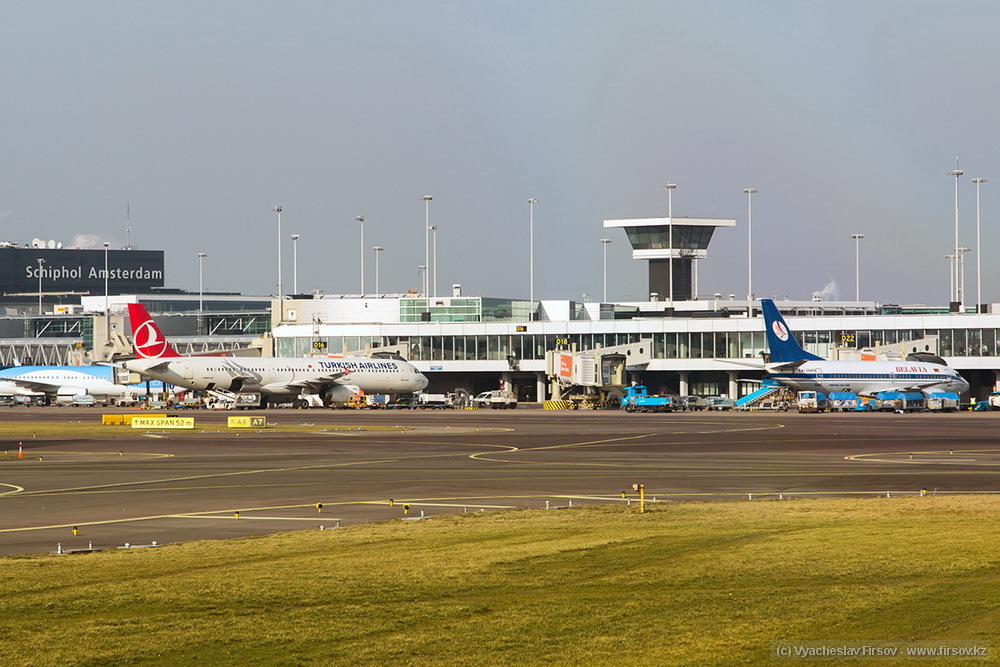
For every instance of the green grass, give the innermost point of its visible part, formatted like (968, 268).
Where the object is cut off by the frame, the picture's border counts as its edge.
(686, 584)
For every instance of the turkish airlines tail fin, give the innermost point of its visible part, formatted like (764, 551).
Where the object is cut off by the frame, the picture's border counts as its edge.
(147, 339)
(780, 341)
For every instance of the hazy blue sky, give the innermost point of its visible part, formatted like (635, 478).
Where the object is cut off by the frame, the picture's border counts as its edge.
(846, 115)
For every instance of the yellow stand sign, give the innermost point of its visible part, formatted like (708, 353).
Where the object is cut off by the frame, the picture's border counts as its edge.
(163, 422)
(246, 422)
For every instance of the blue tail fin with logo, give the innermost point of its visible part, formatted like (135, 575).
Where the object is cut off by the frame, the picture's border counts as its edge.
(780, 340)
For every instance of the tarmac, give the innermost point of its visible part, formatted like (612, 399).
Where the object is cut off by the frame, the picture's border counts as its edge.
(134, 487)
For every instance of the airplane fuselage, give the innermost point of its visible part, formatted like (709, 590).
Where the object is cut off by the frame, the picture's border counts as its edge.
(867, 378)
(277, 376)
(57, 381)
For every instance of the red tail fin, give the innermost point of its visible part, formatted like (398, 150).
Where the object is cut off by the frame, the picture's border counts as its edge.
(147, 339)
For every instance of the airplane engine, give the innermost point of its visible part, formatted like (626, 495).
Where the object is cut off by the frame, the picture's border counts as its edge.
(340, 393)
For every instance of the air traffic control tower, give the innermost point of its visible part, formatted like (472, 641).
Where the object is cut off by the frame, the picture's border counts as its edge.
(671, 245)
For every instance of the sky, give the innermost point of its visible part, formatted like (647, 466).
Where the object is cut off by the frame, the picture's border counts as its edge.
(189, 121)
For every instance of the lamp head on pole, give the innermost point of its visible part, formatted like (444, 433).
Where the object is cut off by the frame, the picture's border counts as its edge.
(751, 191)
(977, 181)
(276, 209)
(360, 218)
(295, 237)
(857, 236)
(668, 186)
(426, 198)
(532, 201)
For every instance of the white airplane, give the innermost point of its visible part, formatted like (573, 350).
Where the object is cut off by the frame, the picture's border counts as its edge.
(60, 384)
(802, 371)
(308, 382)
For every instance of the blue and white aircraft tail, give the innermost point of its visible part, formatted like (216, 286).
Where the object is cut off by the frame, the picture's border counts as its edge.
(783, 346)
(803, 371)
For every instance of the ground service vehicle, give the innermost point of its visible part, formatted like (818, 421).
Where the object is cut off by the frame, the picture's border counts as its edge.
(433, 401)
(694, 403)
(720, 403)
(637, 399)
(812, 401)
(482, 400)
(943, 401)
(902, 401)
(501, 399)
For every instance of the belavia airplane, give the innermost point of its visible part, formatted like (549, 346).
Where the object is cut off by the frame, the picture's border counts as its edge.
(794, 367)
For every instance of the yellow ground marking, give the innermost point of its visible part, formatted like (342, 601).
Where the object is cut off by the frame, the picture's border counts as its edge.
(15, 489)
(120, 454)
(945, 457)
(191, 477)
(246, 517)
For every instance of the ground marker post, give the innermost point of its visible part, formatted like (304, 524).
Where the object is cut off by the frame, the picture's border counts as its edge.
(20, 451)
(641, 488)
(406, 510)
(319, 507)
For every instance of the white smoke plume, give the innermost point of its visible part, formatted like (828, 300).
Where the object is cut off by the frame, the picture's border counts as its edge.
(86, 241)
(829, 293)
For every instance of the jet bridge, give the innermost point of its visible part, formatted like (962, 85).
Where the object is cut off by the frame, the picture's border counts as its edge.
(595, 377)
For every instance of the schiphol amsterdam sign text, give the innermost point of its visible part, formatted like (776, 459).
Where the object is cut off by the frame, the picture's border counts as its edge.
(53, 274)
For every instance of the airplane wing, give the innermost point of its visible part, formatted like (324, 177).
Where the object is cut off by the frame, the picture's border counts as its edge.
(758, 365)
(916, 386)
(36, 385)
(785, 366)
(309, 382)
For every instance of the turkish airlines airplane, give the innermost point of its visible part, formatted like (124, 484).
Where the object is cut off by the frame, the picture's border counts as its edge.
(307, 382)
(792, 366)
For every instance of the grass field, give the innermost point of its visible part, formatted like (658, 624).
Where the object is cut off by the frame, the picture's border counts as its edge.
(685, 584)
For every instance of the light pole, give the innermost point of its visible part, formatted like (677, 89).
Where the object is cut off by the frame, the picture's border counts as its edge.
(107, 314)
(277, 209)
(201, 288)
(961, 275)
(378, 249)
(531, 249)
(670, 187)
(604, 244)
(41, 262)
(979, 263)
(434, 257)
(295, 263)
(426, 199)
(951, 277)
(422, 270)
(958, 279)
(361, 219)
(857, 265)
(750, 192)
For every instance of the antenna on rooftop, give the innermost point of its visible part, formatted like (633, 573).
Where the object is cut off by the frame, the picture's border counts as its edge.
(128, 226)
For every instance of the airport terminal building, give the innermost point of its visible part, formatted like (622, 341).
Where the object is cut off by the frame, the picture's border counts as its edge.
(67, 306)
(703, 347)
